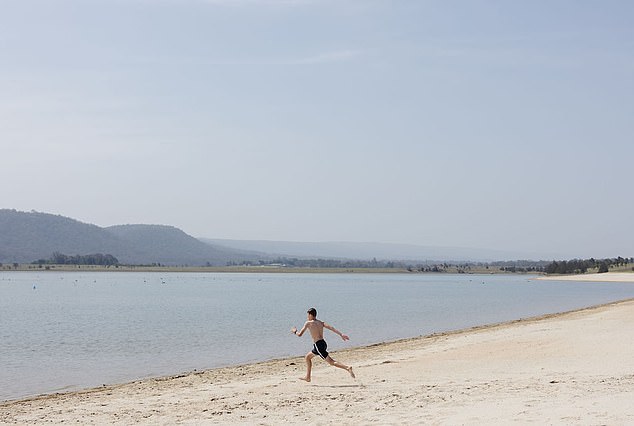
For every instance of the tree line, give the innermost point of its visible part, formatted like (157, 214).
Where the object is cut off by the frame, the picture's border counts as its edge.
(79, 259)
(518, 266)
(322, 263)
(581, 266)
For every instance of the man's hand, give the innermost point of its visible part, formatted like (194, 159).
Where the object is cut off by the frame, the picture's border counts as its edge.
(345, 337)
(294, 330)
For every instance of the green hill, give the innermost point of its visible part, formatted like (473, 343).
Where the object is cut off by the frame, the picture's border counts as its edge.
(171, 246)
(26, 237)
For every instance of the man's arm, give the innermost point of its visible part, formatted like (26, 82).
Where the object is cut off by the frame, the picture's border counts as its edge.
(334, 330)
(294, 330)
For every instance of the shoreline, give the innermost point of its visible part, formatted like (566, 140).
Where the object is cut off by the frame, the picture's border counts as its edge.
(205, 269)
(621, 277)
(386, 344)
(283, 373)
(247, 269)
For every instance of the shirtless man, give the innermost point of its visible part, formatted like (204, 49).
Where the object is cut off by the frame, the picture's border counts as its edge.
(316, 329)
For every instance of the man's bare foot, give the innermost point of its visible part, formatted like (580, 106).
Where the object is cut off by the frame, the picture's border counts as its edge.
(351, 373)
(306, 379)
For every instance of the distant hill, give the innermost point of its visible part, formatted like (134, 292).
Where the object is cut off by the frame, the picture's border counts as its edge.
(26, 237)
(171, 246)
(366, 251)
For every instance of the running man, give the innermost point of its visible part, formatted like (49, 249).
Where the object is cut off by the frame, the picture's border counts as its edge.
(316, 329)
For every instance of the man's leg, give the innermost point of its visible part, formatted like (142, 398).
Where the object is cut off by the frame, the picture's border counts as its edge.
(309, 365)
(331, 361)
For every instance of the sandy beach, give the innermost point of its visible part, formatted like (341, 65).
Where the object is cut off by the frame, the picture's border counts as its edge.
(621, 277)
(571, 368)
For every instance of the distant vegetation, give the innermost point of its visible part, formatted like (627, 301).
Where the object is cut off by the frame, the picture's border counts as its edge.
(581, 266)
(518, 266)
(87, 259)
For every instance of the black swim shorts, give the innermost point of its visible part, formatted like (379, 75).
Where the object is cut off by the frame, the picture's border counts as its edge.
(319, 348)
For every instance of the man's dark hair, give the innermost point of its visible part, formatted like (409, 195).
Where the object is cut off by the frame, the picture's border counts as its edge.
(312, 311)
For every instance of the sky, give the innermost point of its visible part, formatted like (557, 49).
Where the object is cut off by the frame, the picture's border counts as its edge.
(488, 124)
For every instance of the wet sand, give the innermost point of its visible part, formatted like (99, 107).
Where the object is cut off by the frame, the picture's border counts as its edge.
(571, 368)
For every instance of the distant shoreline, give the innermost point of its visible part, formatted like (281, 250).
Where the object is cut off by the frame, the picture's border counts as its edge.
(244, 269)
(593, 277)
(620, 277)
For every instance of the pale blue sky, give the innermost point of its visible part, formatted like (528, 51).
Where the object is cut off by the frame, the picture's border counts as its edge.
(494, 124)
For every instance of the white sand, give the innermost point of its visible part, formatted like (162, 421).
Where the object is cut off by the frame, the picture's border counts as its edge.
(623, 277)
(575, 368)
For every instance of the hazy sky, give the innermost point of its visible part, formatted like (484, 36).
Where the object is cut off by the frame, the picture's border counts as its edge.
(495, 124)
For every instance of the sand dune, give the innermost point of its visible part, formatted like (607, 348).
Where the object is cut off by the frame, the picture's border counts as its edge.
(574, 368)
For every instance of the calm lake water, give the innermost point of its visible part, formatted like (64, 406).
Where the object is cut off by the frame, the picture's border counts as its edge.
(65, 331)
